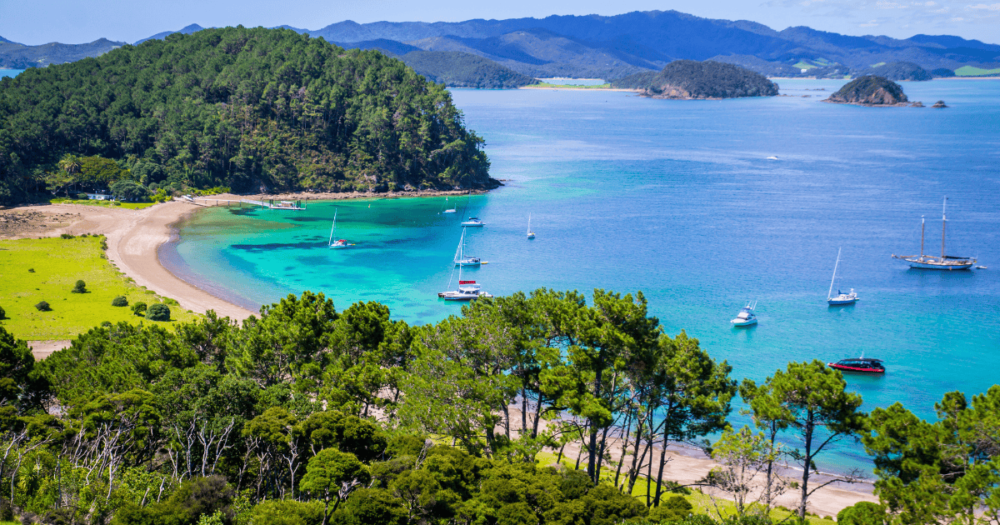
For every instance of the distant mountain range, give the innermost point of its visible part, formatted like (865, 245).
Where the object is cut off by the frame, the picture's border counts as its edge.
(616, 46)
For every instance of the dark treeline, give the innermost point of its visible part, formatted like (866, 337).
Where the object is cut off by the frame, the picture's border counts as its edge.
(247, 109)
(708, 79)
(308, 415)
(457, 69)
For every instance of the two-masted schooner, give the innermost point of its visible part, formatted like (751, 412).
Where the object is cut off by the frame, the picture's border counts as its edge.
(930, 262)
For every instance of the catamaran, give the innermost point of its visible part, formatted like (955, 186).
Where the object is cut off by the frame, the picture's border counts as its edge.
(463, 260)
(531, 234)
(467, 290)
(930, 262)
(746, 316)
(842, 299)
(339, 243)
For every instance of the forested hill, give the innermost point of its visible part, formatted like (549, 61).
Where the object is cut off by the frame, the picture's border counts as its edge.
(687, 79)
(457, 69)
(243, 108)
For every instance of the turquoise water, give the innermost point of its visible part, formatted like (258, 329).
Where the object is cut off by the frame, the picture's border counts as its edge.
(677, 199)
(9, 72)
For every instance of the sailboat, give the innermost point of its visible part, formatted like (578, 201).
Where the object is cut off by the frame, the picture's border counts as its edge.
(339, 243)
(461, 259)
(930, 262)
(842, 299)
(467, 290)
(531, 234)
(453, 209)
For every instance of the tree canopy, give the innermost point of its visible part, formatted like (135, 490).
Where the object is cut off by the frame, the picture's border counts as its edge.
(243, 108)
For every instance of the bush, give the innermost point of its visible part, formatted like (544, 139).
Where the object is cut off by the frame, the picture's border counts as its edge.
(31, 270)
(158, 312)
(139, 308)
(119, 301)
(195, 497)
(862, 513)
(672, 509)
(3, 314)
(67, 236)
(80, 287)
(43, 307)
(287, 512)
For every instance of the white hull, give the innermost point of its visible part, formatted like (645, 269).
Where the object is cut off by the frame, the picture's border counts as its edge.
(739, 323)
(472, 224)
(841, 302)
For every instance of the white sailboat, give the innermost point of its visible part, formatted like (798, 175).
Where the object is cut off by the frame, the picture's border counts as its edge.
(842, 299)
(339, 243)
(929, 262)
(463, 260)
(531, 234)
(453, 209)
(467, 290)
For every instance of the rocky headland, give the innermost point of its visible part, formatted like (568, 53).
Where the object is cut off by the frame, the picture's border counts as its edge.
(690, 80)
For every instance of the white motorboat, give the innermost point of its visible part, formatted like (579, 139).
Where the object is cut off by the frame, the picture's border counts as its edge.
(842, 299)
(461, 259)
(746, 317)
(930, 262)
(339, 243)
(773, 157)
(531, 234)
(473, 222)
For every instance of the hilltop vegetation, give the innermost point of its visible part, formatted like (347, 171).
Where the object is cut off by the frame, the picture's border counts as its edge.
(247, 109)
(899, 71)
(686, 79)
(457, 69)
(870, 91)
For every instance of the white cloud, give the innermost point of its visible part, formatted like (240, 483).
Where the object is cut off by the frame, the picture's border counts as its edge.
(986, 7)
(870, 23)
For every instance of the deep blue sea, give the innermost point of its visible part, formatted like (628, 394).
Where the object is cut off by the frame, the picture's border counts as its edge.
(677, 199)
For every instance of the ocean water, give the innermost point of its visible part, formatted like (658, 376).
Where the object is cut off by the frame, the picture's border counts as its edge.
(677, 199)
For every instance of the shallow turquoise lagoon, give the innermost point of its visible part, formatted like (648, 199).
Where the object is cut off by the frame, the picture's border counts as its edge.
(677, 199)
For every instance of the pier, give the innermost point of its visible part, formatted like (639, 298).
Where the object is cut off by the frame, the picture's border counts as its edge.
(270, 204)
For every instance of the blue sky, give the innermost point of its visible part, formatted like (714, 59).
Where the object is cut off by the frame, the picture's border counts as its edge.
(75, 21)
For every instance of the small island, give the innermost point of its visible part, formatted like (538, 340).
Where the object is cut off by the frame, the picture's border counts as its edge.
(870, 91)
(690, 80)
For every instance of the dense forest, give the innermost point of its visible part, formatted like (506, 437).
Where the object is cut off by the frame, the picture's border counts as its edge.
(687, 79)
(871, 91)
(506, 414)
(899, 71)
(248, 109)
(457, 69)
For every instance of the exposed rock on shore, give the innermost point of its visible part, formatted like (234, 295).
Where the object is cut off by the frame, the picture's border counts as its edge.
(870, 91)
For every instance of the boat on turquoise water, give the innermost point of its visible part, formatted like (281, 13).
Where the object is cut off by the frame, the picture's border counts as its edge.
(453, 209)
(930, 262)
(531, 234)
(467, 290)
(339, 243)
(746, 317)
(461, 259)
(842, 299)
(860, 365)
(473, 222)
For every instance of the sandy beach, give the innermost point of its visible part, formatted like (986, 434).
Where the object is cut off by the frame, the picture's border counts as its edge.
(134, 237)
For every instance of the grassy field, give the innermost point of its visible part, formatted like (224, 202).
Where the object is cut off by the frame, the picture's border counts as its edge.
(702, 503)
(58, 263)
(106, 204)
(569, 86)
(969, 71)
(803, 65)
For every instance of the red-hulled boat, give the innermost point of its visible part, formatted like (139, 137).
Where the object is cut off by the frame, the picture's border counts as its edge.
(862, 365)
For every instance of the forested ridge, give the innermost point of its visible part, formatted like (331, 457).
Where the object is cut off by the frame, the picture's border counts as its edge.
(307, 415)
(240, 108)
(687, 79)
(457, 69)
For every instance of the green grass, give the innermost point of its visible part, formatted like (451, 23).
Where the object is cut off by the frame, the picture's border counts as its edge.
(803, 65)
(879, 64)
(106, 204)
(569, 86)
(969, 71)
(701, 502)
(58, 263)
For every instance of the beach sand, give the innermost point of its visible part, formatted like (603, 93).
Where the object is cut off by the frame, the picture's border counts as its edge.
(134, 237)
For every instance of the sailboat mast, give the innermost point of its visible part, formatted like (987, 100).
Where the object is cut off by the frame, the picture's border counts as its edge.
(830, 293)
(529, 223)
(923, 227)
(334, 227)
(944, 223)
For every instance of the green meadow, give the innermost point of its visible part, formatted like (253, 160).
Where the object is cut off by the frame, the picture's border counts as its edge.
(969, 71)
(34, 270)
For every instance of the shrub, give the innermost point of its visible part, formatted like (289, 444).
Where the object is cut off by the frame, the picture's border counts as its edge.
(3, 314)
(119, 301)
(672, 509)
(171, 302)
(31, 270)
(80, 287)
(139, 308)
(43, 307)
(287, 512)
(158, 312)
(66, 236)
(862, 513)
